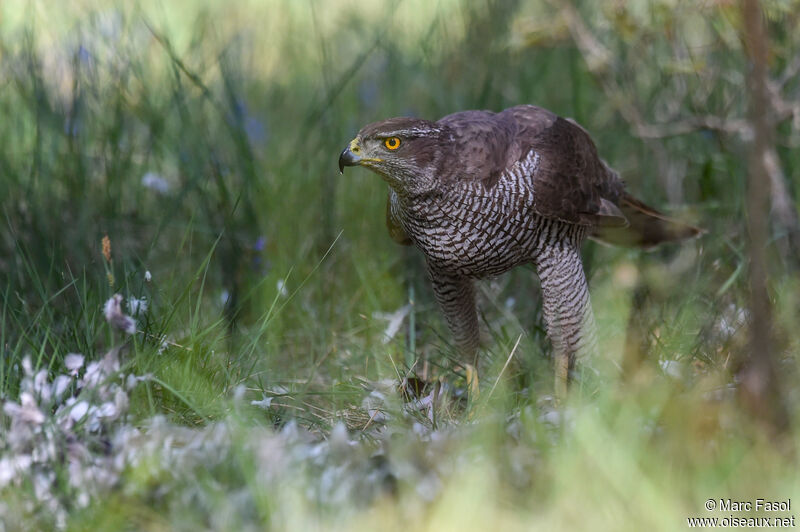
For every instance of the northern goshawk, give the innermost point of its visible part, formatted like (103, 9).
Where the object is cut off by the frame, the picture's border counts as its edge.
(481, 192)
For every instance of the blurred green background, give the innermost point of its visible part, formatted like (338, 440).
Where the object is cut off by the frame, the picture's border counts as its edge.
(202, 137)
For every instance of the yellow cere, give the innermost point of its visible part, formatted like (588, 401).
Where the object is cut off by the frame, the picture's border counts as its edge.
(392, 143)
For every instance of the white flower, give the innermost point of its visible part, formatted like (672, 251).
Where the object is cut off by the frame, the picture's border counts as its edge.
(153, 181)
(148, 276)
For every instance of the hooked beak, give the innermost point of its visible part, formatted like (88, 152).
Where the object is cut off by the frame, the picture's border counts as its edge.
(348, 157)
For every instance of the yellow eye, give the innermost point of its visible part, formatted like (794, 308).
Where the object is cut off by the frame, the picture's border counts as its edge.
(392, 143)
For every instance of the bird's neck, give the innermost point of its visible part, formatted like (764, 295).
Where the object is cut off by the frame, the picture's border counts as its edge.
(432, 207)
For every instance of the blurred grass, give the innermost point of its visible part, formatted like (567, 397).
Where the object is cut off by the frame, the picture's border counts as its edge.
(241, 110)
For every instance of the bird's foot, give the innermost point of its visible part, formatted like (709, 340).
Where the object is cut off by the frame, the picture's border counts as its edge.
(473, 387)
(562, 376)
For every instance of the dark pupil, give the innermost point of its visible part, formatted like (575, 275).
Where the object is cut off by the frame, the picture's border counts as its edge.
(392, 142)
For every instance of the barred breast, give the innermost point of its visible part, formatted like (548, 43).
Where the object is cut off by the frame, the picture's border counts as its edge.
(467, 229)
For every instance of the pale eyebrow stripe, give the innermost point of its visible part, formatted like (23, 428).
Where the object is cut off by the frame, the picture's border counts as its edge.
(411, 132)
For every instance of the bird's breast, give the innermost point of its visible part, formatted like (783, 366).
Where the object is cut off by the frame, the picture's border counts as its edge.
(474, 231)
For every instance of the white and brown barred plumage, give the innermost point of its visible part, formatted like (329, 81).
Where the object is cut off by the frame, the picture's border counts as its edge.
(480, 193)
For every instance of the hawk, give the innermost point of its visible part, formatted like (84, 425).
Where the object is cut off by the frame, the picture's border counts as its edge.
(480, 192)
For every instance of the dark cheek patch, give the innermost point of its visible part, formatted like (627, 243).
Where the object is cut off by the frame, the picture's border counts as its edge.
(424, 151)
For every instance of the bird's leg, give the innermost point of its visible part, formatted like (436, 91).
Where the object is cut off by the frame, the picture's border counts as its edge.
(567, 309)
(456, 296)
(471, 376)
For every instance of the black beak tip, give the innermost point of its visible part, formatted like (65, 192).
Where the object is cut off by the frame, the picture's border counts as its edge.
(347, 158)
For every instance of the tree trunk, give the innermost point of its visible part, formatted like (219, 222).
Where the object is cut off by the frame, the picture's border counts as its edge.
(759, 390)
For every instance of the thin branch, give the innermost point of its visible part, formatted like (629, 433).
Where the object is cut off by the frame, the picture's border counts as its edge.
(790, 72)
(781, 110)
(731, 126)
(777, 109)
(599, 61)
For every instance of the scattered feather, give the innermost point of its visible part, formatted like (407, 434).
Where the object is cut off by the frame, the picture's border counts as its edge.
(137, 306)
(264, 403)
(155, 182)
(73, 362)
(395, 320)
(116, 318)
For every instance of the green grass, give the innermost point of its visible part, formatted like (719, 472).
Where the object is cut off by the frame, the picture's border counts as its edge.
(271, 274)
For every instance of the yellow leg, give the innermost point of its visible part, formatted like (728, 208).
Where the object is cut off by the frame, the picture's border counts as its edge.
(472, 381)
(562, 374)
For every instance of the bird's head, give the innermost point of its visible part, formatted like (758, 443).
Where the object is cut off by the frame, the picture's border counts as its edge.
(406, 152)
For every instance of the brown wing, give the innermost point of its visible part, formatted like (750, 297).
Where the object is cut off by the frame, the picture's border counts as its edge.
(571, 182)
(478, 146)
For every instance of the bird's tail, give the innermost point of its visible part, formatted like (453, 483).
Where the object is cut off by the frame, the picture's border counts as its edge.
(646, 227)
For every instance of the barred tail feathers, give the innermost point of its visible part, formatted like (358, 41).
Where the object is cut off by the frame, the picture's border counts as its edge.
(646, 227)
